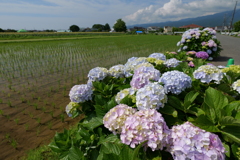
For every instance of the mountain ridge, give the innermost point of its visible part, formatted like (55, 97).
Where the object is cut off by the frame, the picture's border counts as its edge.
(205, 21)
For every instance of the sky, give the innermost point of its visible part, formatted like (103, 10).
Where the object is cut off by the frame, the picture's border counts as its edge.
(61, 14)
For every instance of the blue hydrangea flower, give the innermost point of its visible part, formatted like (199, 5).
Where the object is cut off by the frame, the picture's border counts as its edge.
(175, 81)
(208, 73)
(172, 62)
(117, 71)
(80, 93)
(151, 96)
(97, 74)
(159, 56)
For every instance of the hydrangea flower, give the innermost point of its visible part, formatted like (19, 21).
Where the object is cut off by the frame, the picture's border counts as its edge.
(191, 142)
(117, 71)
(159, 56)
(124, 93)
(72, 106)
(80, 93)
(208, 73)
(97, 74)
(236, 86)
(145, 125)
(191, 64)
(191, 53)
(202, 55)
(145, 64)
(232, 68)
(189, 58)
(131, 65)
(151, 96)
(115, 118)
(143, 75)
(175, 81)
(172, 62)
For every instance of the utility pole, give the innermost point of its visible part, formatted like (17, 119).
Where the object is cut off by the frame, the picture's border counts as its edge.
(233, 16)
(224, 22)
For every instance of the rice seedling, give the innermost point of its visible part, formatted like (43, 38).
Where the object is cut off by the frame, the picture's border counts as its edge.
(39, 120)
(16, 120)
(9, 103)
(49, 125)
(1, 112)
(26, 126)
(14, 143)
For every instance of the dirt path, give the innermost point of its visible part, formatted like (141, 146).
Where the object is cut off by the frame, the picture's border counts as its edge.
(231, 49)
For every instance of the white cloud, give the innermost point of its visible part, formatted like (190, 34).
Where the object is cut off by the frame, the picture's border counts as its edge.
(178, 9)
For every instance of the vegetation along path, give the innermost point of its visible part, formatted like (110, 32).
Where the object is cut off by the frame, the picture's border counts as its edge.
(231, 49)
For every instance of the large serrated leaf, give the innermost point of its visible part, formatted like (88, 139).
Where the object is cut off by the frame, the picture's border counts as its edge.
(93, 123)
(229, 121)
(75, 154)
(189, 99)
(203, 122)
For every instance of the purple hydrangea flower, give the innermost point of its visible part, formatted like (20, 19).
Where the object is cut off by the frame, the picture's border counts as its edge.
(143, 75)
(151, 96)
(175, 81)
(159, 56)
(145, 125)
(208, 73)
(117, 71)
(172, 62)
(202, 55)
(191, 64)
(130, 66)
(115, 118)
(191, 142)
(80, 93)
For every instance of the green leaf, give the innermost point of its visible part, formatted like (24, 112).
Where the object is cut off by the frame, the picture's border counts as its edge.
(168, 110)
(203, 122)
(231, 107)
(215, 99)
(93, 123)
(75, 154)
(189, 98)
(232, 132)
(227, 148)
(235, 149)
(175, 103)
(229, 121)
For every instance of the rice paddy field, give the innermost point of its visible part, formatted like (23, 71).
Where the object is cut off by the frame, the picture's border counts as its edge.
(36, 76)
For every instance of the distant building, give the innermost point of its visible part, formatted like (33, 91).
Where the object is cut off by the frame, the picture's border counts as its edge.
(167, 29)
(139, 32)
(153, 29)
(64, 30)
(191, 26)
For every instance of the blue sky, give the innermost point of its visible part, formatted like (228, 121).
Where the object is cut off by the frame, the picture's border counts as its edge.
(60, 14)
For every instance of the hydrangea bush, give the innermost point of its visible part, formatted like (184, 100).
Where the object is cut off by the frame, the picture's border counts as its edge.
(164, 106)
(203, 41)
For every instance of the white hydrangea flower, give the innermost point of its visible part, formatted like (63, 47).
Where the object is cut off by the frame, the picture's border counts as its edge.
(124, 93)
(131, 65)
(236, 86)
(208, 73)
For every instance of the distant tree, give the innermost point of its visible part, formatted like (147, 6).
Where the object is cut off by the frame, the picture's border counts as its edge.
(74, 28)
(160, 29)
(237, 26)
(107, 27)
(99, 27)
(120, 26)
(1, 30)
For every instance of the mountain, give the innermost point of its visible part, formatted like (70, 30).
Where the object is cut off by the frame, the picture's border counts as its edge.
(205, 21)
